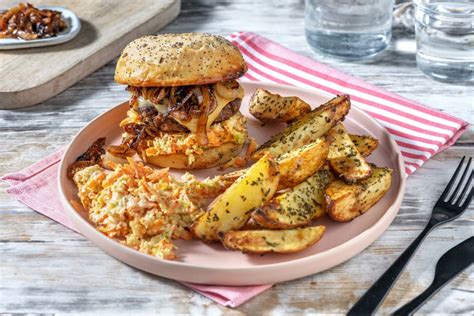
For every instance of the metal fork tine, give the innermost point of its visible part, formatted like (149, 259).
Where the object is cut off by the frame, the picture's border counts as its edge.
(450, 184)
(468, 199)
(466, 171)
(466, 187)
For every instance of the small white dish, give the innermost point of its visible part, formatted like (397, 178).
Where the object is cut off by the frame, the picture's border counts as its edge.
(73, 28)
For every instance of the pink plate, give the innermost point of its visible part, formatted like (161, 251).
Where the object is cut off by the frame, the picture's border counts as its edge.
(211, 263)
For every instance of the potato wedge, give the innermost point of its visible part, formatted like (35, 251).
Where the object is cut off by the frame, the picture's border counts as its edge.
(348, 201)
(297, 207)
(267, 241)
(232, 209)
(308, 129)
(294, 168)
(343, 156)
(300, 163)
(266, 106)
(365, 144)
(251, 225)
(214, 186)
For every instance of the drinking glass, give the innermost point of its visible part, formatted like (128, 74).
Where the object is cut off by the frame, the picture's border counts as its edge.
(445, 39)
(349, 29)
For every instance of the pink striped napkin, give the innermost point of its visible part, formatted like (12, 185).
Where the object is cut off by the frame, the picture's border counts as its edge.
(419, 131)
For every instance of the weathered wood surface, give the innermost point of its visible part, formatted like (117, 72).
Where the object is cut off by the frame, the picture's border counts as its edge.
(106, 29)
(45, 268)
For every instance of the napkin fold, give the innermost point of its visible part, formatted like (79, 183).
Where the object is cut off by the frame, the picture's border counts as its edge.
(419, 131)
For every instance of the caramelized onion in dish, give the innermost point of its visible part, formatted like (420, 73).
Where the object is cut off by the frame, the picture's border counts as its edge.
(29, 23)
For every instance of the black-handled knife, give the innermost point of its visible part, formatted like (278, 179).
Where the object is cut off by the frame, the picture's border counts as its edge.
(449, 265)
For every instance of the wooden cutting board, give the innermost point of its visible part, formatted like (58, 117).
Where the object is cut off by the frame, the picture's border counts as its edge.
(29, 76)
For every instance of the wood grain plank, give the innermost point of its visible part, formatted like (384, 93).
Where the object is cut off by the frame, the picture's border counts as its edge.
(107, 27)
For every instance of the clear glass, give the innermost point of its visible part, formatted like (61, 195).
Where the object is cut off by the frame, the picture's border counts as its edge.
(349, 29)
(445, 39)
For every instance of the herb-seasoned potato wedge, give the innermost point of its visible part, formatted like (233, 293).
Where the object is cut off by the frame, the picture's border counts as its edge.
(348, 201)
(231, 210)
(278, 241)
(307, 129)
(343, 156)
(251, 225)
(300, 163)
(297, 207)
(266, 106)
(294, 166)
(365, 144)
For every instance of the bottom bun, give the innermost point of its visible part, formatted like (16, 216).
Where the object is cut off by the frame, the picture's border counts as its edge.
(211, 157)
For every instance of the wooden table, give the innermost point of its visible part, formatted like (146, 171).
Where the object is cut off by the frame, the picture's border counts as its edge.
(46, 268)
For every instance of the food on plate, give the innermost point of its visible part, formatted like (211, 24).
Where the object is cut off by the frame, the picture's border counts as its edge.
(232, 209)
(142, 207)
(177, 120)
(214, 186)
(266, 106)
(243, 159)
(348, 201)
(343, 156)
(92, 156)
(184, 106)
(268, 241)
(27, 22)
(294, 167)
(300, 163)
(307, 129)
(297, 207)
(365, 144)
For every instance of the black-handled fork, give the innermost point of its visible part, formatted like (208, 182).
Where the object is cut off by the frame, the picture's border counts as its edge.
(446, 209)
(453, 262)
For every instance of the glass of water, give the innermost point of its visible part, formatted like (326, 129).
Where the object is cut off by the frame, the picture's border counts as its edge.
(349, 29)
(445, 39)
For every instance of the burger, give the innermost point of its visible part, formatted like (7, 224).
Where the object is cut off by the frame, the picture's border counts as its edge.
(184, 100)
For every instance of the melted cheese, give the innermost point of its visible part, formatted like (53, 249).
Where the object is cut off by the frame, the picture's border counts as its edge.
(221, 101)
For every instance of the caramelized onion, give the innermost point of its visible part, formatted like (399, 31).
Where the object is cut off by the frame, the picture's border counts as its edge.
(201, 129)
(172, 98)
(109, 157)
(147, 111)
(198, 93)
(132, 129)
(27, 22)
(92, 156)
(168, 109)
(120, 150)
